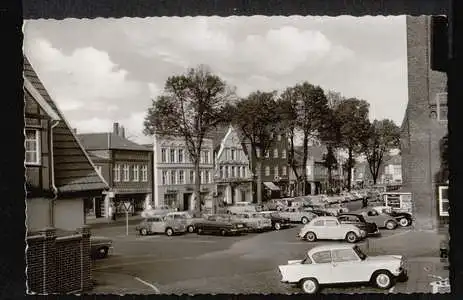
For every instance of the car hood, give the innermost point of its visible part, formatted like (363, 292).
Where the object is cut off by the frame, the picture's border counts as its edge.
(294, 262)
(384, 258)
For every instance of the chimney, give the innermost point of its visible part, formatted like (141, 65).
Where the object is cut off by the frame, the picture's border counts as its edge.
(116, 128)
(122, 132)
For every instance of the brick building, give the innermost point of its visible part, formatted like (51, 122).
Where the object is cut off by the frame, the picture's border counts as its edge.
(125, 165)
(423, 128)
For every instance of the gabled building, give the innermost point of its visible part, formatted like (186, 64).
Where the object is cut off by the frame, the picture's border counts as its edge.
(315, 171)
(59, 172)
(232, 174)
(125, 165)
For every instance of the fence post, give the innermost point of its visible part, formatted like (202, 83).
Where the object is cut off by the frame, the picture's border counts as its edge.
(85, 259)
(49, 261)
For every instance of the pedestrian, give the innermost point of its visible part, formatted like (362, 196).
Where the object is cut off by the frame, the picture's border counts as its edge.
(110, 212)
(114, 211)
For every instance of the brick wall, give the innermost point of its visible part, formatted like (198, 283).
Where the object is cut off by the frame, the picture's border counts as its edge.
(58, 264)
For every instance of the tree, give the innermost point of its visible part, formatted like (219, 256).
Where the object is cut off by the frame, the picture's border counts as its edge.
(380, 137)
(352, 115)
(191, 106)
(257, 117)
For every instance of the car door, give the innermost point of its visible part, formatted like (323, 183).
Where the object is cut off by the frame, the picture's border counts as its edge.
(333, 230)
(157, 225)
(347, 266)
(319, 229)
(322, 269)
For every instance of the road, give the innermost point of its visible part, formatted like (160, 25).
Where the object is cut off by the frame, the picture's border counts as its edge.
(213, 264)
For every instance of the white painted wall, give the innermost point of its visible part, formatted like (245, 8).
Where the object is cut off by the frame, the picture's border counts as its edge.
(37, 213)
(69, 213)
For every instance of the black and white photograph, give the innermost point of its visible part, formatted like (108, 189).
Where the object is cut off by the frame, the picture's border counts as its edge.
(236, 155)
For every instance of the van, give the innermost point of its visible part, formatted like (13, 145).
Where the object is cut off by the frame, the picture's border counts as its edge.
(398, 201)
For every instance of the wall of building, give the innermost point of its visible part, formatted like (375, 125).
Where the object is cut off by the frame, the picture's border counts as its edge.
(420, 132)
(69, 213)
(37, 213)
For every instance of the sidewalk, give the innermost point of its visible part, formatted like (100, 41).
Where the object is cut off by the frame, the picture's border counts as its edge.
(120, 221)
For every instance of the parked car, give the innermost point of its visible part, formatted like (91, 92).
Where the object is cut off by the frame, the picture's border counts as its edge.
(162, 224)
(221, 224)
(380, 219)
(330, 228)
(297, 214)
(404, 219)
(347, 196)
(276, 219)
(189, 219)
(346, 263)
(160, 210)
(240, 207)
(100, 246)
(360, 222)
(334, 209)
(253, 221)
(319, 211)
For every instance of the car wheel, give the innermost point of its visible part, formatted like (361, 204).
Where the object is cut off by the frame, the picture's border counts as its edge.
(383, 280)
(404, 222)
(191, 229)
(223, 232)
(277, 226)
(310, 236)
(103, 252)
(199, 231)
(143, 231)
(351, 237)
(304, 220)
(169, 232)
(310, 285)
(390, 225)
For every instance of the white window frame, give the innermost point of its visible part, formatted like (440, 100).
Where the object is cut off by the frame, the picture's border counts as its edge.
(181, 155)
(37, 147)
(221, 170)
(207, 157)
(443, 213)
(117, 173)
(279, 137)
(136, 173)
(275, 171)
(438, 105)
(172, 155)
(267, 171)
(173, 177)
(275, 153)
(283, 153)
(126, 173)
(192, 176)
(144, 173)
(181, 177)
(202, 177)
(233, 154)
(267, 154)
(164, 155)
(284, 171)
(165, 177)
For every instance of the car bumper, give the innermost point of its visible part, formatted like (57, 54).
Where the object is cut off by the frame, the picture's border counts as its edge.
(402, 276)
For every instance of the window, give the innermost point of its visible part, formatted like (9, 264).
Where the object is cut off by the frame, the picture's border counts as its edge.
(205, 157)
(173, 177)
(117, 173)
(144, 173)
(164, 177)
(444, 204)
(242, 172)
(221, 172)
(267, 171)
(136, 172)
(441, 101)
(283, 171)
(172, 155)
(258, 152)
(322, 257)
(279, 137)
(318, 223)
(181, 177)
(226, 171)
(170, 199)
(342, 255)
(126, 172)
(203, 179)
(331, 223)
(275, 153)
(192, 176)
(309, 170)
(283, 153)
(233, 172)
(207, 174)
(32, 145)
(233, 154)
(180, 155)
(163, 155)
(245, 172)
(238, 154)
(276, 171)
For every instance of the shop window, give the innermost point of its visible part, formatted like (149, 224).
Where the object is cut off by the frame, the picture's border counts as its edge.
(444, 204)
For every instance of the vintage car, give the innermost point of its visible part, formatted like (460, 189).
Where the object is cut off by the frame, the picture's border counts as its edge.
(100, 246)
(220, 224)
(403, 218)
(189, 219)
(380, 219)
(297, 214)
(253, 221)
(160, 210)
(276, 204)
(240, 207)
(162, 224)
(321, 212)
(276, 219)
(347, 196)
(330, 228)
(334, 209)
(341, 264)
(360, 222)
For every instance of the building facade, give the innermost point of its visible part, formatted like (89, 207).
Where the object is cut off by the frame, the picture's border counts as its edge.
(59, 172)
(232, 174)
(315, 171)
(392, 170)
(126, 166)
(174, 173)
(423, 128)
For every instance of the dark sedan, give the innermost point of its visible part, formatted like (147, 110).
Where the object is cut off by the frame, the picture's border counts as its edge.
(278, 221)
(100, 246)
(220, 224)
(360, 222)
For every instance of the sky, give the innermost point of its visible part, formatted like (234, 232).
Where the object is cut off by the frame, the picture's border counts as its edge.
(102, 71)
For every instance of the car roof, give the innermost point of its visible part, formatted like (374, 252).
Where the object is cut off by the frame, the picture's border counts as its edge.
(330, 246)
(326, 218)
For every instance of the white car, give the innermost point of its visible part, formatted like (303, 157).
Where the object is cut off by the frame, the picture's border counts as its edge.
(330, 228)
(342, 263)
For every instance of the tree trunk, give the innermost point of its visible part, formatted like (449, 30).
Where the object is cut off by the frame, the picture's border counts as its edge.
(305, 142)
(330, 178)
(259, 181)
(197, 190)
(349, 170)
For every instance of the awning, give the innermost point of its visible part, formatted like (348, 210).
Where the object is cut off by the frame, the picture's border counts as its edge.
(271, 186)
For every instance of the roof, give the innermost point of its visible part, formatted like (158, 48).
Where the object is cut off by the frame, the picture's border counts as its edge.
(74, 170)
(218, 134)
(109, 140)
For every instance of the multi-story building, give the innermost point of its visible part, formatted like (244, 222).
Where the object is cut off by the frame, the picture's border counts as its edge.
(174, 173)
(125, 165)
(423, 129)
(231, 173)
(59, 173)
(274, 167)
(315, 172)
(392, 170)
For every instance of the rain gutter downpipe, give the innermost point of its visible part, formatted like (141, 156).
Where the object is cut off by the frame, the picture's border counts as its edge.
(52, 169)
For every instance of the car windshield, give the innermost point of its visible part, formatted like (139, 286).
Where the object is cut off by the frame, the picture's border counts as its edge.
(360, 253)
